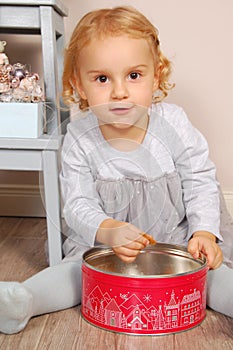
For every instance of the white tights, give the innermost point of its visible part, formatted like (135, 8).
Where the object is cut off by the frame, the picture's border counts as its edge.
(220, 290)
(59, 287)
(55, 288)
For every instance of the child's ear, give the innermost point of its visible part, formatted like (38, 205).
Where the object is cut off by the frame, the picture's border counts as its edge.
(80, 90)
(156, 81)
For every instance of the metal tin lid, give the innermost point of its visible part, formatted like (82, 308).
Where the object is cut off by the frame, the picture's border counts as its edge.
(160, 260)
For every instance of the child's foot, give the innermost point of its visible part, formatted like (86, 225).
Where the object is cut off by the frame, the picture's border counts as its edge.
(15, 307)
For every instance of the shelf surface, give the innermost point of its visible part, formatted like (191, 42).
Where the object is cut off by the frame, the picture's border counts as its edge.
(58, 5)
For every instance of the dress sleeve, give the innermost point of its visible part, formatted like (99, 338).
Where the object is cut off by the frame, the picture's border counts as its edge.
(82, 206)
(197, 173)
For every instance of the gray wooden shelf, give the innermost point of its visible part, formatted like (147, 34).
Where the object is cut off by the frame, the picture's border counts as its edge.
(41, 154)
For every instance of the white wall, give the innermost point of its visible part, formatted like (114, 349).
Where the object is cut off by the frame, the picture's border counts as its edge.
(197, 36)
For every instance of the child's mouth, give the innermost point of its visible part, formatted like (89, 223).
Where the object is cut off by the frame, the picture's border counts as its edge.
(121, 110)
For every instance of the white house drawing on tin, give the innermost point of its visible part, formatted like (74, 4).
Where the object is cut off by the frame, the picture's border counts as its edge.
(133, 314)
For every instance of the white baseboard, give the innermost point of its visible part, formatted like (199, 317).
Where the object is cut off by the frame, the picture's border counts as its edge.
(25, 200)
(21, 200)
(228, 195)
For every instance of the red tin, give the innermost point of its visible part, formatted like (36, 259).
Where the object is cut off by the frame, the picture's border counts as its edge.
(163, 291)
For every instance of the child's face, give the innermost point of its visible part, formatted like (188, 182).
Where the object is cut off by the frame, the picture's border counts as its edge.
(119, 74)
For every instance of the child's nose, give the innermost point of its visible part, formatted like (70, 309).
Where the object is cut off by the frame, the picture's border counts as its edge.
(119, 90)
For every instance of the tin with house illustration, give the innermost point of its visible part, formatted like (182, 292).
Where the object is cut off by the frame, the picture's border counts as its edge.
(163, 291)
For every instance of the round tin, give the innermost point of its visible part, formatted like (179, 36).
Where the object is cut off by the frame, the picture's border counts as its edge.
(163, 291)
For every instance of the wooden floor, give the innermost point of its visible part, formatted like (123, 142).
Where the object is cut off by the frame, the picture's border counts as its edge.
(22, 254)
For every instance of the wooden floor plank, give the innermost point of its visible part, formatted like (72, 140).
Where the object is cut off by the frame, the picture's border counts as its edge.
(7, 228)
(93, 337)
(21, 258)
(26, 340)
(22, 255)
(149, 342)
(61, 330)
(30, 228)
(210, 334)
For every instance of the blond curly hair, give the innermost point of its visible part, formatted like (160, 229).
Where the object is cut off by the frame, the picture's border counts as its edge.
(102, 23)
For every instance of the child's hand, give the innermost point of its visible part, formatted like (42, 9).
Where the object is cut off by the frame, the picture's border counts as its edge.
(125, 239)
(205, 242)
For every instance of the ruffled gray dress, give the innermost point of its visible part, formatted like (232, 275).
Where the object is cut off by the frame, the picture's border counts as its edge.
(166, 186)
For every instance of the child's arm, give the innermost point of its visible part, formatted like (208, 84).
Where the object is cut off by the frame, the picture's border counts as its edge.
(83, 210)
(125, 239)
(205, 242)
(190, 153)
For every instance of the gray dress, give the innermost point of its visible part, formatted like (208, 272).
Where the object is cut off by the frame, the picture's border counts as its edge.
(166, 186)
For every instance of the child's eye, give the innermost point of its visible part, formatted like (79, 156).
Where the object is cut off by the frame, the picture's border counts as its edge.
(102, 78)
(134, 75)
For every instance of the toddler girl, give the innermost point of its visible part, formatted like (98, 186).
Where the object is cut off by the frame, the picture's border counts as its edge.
(131, 165)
